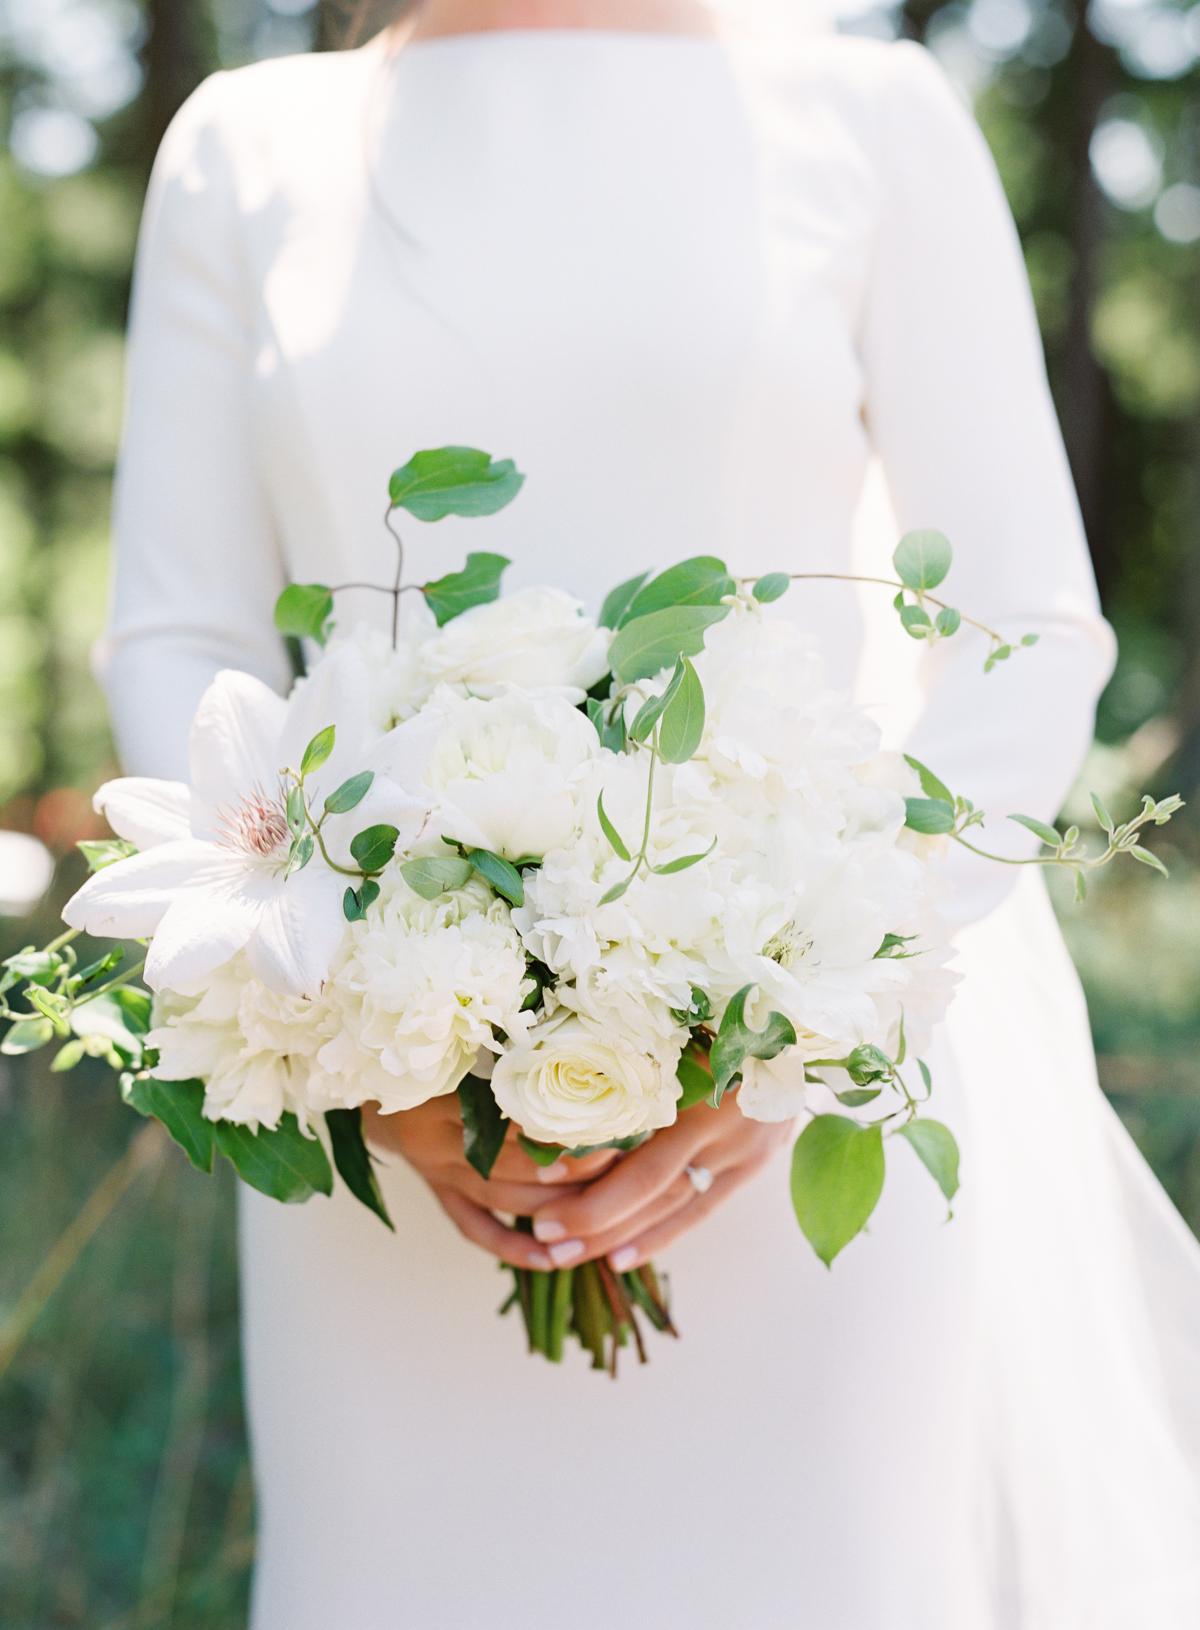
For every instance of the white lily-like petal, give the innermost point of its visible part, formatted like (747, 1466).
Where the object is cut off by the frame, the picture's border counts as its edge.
(233, 748)
(206, 925)
(299, 931)
(128, 899)
(144, 811)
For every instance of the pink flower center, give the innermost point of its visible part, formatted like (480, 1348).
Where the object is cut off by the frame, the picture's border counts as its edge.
(257, 826)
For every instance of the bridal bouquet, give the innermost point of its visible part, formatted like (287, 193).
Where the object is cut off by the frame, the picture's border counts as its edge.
(588, 874)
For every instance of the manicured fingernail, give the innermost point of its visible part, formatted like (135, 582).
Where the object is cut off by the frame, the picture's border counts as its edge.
(548, 1231)
(624, 1258)
(566, 1253)
(555, 1173)
(540, 1259)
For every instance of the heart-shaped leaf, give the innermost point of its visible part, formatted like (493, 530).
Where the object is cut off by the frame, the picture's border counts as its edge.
(454, 481)
(837, 1178)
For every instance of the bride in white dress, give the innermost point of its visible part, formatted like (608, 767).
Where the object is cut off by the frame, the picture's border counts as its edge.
(692, 284)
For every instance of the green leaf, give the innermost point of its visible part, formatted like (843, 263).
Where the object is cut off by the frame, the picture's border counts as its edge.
(916, 621)
(615, 893)
(616, 841)
(301, 853)
(702, 581)
(682, 723)
(1000, 653)
(374, 847)
(683, 863)
(542, 1154)
(101, 852)
(922, 559)
(353, 1160)
(119, 1016)
(837, 1178)
(282, 1163)
(937, 1151)
(454, 481)
(350, 794)
(1030, 639)
(736, 1041)
(652, 710)
(296, 815)
(700, 1011)
(646, 646)
(892, 947)
(697, 1082)
(1080, 887)
(94, 972)
(1148, 859)
(303, 611)
(39, 967)
(931, 816)
(476, 585)
(609, 722)
(856, 1097)
(26, 1036)
(357, 902)
(504, 878)
(179, 1107)
(948, 621)
(67, 1056)
(318, 750)
(617, 601)
(436, 876)
(771, 587)
(484, 1126)
(1039, 829)
(930, 785)
(1102, 815)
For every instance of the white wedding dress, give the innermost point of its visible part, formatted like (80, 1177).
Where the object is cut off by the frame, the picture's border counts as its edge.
(693, 289)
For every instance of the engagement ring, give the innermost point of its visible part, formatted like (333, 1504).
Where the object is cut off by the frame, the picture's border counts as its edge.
(700, 1178)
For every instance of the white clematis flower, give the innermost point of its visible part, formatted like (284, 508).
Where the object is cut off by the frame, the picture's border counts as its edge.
(212, 879)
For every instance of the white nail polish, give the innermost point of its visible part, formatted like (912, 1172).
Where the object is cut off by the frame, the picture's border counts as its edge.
(539, 1259)
(569, 1251)
(624, 1259)
(547, 1231)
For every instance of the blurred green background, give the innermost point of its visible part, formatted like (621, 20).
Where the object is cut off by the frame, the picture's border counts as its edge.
(125, 1502)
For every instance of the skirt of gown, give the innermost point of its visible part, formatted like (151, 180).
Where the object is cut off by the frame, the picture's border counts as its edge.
(971, 1425)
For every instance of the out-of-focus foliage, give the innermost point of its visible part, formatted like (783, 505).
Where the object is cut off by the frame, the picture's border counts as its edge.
(124, 1497)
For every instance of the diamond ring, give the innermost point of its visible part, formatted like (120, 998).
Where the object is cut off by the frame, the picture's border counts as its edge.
(700, 1178)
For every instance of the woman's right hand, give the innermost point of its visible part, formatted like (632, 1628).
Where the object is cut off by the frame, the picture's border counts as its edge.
(430, 1139)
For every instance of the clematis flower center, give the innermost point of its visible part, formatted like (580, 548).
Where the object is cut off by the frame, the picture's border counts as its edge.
(257, 825)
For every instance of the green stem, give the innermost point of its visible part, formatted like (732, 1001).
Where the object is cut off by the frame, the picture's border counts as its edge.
(110, 985)
(560, 1313)
(539, 1316)
(345, 871)
(887, 583)
(1077, 861)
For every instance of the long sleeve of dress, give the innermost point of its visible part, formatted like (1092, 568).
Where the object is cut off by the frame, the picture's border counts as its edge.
(197, 566)
(959, 411)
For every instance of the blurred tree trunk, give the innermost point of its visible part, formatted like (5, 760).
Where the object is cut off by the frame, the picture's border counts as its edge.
(174, 62)
(1089, 78)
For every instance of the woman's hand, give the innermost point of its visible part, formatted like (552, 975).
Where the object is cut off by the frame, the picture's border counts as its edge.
(430, 1138)
(647, 1199)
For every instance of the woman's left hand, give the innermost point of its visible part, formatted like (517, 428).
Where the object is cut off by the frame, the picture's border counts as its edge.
(647, 1199)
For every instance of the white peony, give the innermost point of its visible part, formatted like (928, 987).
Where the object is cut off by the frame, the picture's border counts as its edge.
(536, 638)
(253, 1047)
(500, 773)
(398, 683)
(423, 987)
(575, 1083)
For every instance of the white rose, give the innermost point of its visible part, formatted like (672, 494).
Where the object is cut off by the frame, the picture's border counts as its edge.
(572, 1083)
(536, 638)
(501, 772)
(397, 681)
